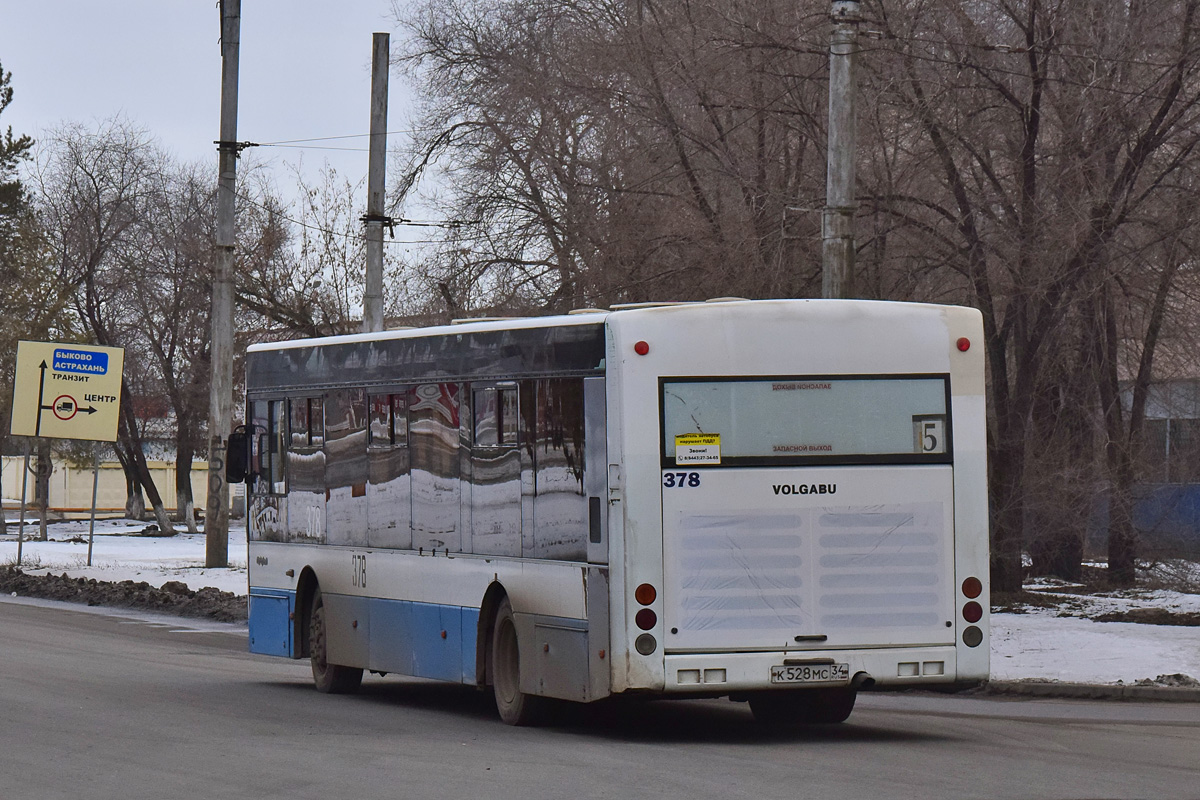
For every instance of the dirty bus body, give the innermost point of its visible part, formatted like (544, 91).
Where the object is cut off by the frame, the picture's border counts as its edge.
(779, 501)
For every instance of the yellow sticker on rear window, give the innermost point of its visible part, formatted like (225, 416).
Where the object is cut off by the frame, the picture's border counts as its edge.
(698, 448)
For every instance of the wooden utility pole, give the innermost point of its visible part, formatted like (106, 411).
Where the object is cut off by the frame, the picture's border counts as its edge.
(375, 218)
(220, 406)
(837, 221)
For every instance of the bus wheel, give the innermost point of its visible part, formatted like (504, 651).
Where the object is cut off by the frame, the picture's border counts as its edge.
(329, 678)
(515, 707)
(803, 706)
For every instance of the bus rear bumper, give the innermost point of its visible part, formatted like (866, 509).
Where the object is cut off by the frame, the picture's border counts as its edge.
(718, 673)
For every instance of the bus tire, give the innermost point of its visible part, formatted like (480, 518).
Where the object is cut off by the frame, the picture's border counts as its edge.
(803, 706)
(515, 707)
(328, 678)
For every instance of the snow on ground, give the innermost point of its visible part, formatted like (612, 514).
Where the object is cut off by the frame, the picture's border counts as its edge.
(1057, 643)
(119, 553)
(1074, 650)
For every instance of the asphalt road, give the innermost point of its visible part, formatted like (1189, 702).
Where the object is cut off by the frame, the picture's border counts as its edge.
(96, 706)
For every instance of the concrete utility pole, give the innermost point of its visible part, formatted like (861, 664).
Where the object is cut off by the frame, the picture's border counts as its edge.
(375, 219)
(837, 221)
(220, 406)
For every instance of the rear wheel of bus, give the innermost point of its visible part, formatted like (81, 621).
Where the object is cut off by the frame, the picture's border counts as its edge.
(328, 678)
(515, 707)
(803, 706)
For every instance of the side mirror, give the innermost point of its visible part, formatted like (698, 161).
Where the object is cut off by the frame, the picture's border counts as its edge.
(237, 456)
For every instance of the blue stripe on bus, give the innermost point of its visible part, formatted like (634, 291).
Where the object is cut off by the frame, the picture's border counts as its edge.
(425, 640)
(270, 623)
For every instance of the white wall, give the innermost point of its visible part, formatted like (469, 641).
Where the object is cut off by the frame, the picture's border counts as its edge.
(71, 487)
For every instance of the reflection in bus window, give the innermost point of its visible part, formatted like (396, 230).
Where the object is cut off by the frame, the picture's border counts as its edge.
(389, 498)
(381, 419)
(560, 507)
(346, 467)
(298, 424)
(267, 446)
(434, 440)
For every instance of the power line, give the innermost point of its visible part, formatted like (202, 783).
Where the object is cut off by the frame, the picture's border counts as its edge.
(330, 138)
(1015, 73)
(301, 144)
(1059, 51)
(312, 147)
(452, 224)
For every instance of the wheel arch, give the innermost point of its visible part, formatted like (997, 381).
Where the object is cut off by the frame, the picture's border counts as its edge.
(306, 587)
(492, 598)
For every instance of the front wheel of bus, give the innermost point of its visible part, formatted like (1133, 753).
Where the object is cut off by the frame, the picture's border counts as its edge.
(329, 678)
(515, 707)
(803, 706)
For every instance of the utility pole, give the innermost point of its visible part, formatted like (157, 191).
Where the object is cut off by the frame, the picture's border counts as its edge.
(375, 218)
(220, 405)
(837, 221)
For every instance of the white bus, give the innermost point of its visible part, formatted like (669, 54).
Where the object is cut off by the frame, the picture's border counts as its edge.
(778, 501)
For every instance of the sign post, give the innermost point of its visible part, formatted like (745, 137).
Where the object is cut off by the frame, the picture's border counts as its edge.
(24, 488)
(67, 391)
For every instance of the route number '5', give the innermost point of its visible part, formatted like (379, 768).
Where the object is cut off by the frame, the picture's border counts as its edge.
(929, 434)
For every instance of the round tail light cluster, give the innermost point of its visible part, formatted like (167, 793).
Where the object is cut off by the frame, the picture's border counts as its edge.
(645, 618)
(972, 611)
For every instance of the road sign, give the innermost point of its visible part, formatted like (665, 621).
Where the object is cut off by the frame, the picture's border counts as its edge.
(67, 391)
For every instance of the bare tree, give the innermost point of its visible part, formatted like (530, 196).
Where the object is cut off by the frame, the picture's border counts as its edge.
(604, 151)
(1022, 157)
(167, 268)
(1039, 170)
(93, 189)
(302, 265)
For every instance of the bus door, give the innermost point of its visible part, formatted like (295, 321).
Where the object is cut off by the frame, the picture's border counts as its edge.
(265, 485)
(807, 513)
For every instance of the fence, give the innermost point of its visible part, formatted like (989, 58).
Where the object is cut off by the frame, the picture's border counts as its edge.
(71, 487)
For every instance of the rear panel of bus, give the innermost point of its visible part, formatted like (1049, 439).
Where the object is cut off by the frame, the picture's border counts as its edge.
(816, 474)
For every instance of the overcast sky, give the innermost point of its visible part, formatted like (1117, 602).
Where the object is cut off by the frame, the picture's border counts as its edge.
(305, 72)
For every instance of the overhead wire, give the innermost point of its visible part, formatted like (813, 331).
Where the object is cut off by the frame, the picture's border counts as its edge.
(1006, 50)
(353, 236)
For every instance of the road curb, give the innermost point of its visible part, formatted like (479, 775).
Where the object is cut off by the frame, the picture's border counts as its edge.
(1091, 691)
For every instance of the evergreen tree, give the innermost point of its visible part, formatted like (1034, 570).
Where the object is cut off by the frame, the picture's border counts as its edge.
(13, 202)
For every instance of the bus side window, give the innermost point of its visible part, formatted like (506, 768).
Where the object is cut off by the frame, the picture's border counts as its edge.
(316, 421)
(274, 476)
(486, 418)
(258, 479)
(561, 514)
(298, 422)
(508, 420)
(266, 432)
(307, 422)
(400, 419)
(381, 429)
(388, 419)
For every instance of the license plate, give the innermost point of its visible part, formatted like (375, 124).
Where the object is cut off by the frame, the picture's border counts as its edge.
(810, 673)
